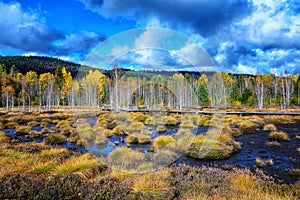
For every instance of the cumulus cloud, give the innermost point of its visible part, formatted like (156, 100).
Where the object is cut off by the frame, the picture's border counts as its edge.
(21, 30)
(204, 16)
(241, 35)
(81, 43)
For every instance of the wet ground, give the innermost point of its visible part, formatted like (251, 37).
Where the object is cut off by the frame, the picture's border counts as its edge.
(284, 158)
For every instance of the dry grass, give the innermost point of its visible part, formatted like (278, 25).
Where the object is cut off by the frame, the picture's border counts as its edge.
(270, 127)
(279, 135)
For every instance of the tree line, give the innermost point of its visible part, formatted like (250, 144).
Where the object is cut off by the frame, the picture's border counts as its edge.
(120, 89)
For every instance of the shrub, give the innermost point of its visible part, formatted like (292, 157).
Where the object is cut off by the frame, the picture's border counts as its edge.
(23, 130)
(162, 141)
(55, 139)
(161, 129)
(270, 127)
(279, 135)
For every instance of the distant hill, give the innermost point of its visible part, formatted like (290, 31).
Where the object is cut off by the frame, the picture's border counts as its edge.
(39, 64)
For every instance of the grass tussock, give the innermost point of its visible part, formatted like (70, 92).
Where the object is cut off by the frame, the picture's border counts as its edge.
(279, 135)
(270, 127)
(213, 145)
(55, 139)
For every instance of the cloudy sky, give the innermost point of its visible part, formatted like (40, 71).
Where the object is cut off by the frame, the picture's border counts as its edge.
(241, 36)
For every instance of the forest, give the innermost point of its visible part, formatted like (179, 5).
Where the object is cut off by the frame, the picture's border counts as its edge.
(122, 89)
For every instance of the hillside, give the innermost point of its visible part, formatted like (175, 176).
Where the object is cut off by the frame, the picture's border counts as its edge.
(38, 64)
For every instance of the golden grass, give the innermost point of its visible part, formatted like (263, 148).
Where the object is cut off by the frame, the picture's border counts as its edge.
(162, 141)
(82, 163)
(279, 135)
(270, 127)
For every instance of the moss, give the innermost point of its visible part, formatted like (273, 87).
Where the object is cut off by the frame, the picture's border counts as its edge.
(23, 130)
(279, 135)
(55, 139)
(161, 129)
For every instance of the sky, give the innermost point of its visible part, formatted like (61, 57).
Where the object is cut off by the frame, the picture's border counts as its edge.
(240, 36)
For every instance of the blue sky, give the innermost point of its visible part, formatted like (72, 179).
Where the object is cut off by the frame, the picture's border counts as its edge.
(239, 35)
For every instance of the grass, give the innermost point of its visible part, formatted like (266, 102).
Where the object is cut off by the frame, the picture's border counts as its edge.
(87, 135)
(136, 127)
(23, 130)
(152, 184)
(138, 139)
(247, 126)
(10, 125)
(162, 141)
(125, 159)
(161, 129)
(53, 152)
(279, 135)
(4, 138)
(270, 127)
(120, 130)
(187, 124)
(55, 139)
(213, 145)
(83, 163)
